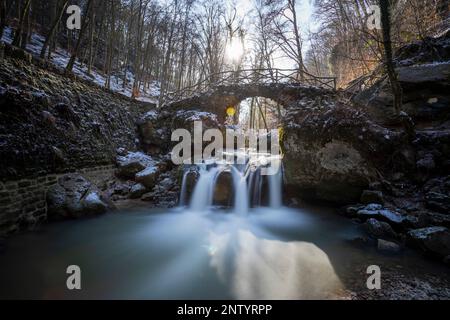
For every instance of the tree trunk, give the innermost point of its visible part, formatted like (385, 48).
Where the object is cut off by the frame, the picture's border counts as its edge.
(388, 54)
(164, 78)
(298, 41)
(85, 23)
(110, 46)
(390, 68)
(53, 28)
(3, 17)
(19, 31)
(26, 34)
(91, 42)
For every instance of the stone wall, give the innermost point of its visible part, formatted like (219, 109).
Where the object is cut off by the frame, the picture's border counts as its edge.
(23, 202)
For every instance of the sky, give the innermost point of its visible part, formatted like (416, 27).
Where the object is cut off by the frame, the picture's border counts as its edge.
(305, 10)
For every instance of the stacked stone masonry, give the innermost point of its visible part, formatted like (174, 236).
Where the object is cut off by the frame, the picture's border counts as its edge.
(23, 202)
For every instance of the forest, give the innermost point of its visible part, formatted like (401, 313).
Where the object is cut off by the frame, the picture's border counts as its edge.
(180, 43)
(225, 150)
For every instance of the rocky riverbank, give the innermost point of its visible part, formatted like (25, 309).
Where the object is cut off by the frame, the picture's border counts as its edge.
(355, 150)
(52, 125)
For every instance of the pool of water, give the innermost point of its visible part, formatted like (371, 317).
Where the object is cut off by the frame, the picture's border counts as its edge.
(175, 254)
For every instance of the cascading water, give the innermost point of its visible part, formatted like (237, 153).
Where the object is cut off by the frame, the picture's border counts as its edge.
(275, 187)
(241, 202)
(248, 186)
(203, 192)
(183, 192)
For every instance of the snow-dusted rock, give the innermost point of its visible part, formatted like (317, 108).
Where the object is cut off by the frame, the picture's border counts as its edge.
(132, 163)
(388, 246)
(92, 204)
(386, 215)
(167, 183)
(434, 240)
(74, 197)
(148, 176)
(381, 230)
(137, 191)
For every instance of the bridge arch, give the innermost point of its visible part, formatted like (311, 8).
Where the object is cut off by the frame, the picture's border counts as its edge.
(258, 113)
(217, 99)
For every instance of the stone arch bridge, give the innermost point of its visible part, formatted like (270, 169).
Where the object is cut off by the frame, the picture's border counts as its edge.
(231, 89)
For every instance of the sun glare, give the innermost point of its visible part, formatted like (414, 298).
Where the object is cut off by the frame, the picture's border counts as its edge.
(235, 50)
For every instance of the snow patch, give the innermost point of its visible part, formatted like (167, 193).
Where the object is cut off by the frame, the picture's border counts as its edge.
(151, 115)
(60, 58)
(134, 157)
(147, 172)
(196, 115)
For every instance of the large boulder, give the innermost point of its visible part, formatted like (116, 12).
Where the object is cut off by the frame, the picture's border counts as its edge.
(438, 201)
(74, 197)
(379, 229)
(148, 176)
(388, 246)
(155, 129)
(423, 69)
(191, 177)
(437, 219)
(332, 151)
(223, 192)
(166, 192)
(425, 95)
(432, 49)
(334, 172)
(433, 240)
(93, 204)
(154, 133)
(137, 191)
(132, 163)
(437, 194)
(378, 212)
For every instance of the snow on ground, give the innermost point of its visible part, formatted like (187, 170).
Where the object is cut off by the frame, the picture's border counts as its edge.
(193, 115)
(151, 115)
(61, 57)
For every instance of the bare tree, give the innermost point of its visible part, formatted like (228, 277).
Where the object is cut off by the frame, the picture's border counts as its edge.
(5, 10)
(388, 55)
(168, 54)
(84, 26)
(54, 26)
(110, 49)
(264, 43)
(20, 36)
(287, 31)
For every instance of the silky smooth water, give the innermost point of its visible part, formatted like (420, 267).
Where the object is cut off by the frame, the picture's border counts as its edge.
(177, 254)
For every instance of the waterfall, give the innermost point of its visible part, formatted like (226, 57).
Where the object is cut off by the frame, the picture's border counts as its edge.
(203, 192)
(247, 184)
(241, 199)
(183, 193)
(275, 186)
(255, 187)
